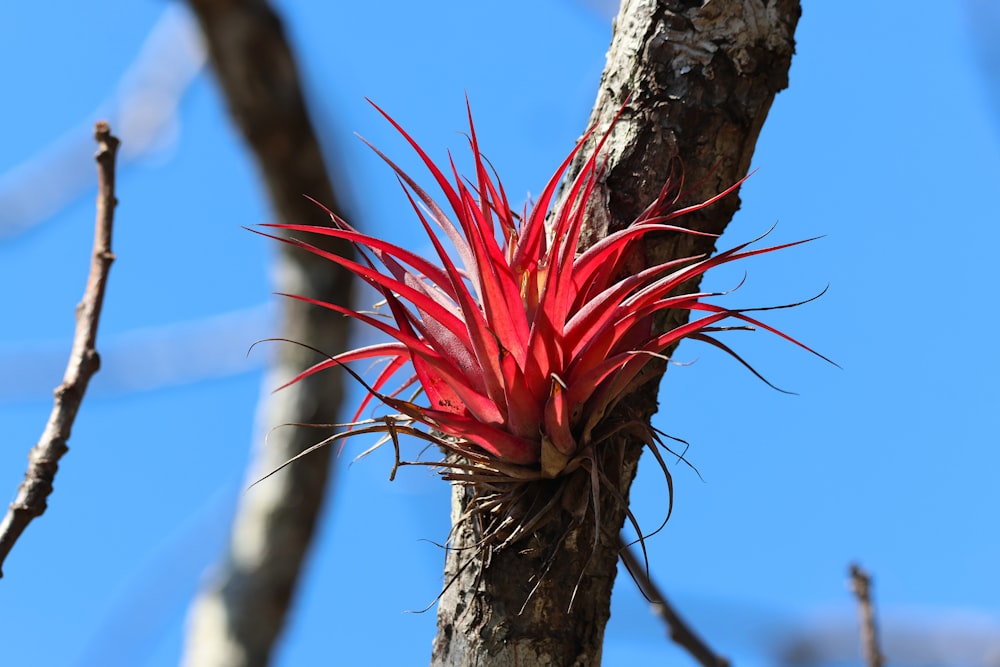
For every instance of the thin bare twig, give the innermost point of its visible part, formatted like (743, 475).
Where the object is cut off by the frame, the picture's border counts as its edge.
(677, 628)
(861, 585)
(43, 460)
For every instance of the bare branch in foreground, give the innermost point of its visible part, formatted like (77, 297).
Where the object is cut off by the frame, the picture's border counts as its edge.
(677, 629)
(43, 460)
(861, 585)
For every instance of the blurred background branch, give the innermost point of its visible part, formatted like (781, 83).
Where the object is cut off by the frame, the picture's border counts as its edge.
(143, 111)
(861, 586)
(240, 613)
(677, 628)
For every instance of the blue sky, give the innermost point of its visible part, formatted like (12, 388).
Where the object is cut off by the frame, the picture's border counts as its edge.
(887, 142)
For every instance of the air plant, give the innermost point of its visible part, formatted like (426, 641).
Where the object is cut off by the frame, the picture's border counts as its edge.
(524, 346)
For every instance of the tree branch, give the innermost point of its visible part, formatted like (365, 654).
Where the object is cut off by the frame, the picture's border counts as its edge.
(677, 629)
(43, 460)
(699, 78)
(239, 615)
(861, 585)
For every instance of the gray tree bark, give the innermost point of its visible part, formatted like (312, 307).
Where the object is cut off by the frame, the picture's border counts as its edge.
(240, 613)
(701, 76)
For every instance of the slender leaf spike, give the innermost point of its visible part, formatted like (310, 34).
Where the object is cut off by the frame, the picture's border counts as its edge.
(520, 345)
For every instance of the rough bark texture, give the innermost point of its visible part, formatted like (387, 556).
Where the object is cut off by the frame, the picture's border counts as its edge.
(702, 76)
(238, 616)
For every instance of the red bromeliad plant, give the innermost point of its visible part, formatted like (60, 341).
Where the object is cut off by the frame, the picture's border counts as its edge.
(522, 351)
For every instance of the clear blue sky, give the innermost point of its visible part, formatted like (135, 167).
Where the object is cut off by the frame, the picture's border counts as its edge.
(887, 142)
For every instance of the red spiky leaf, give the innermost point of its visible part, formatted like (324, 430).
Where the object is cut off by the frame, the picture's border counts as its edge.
(523, 347)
